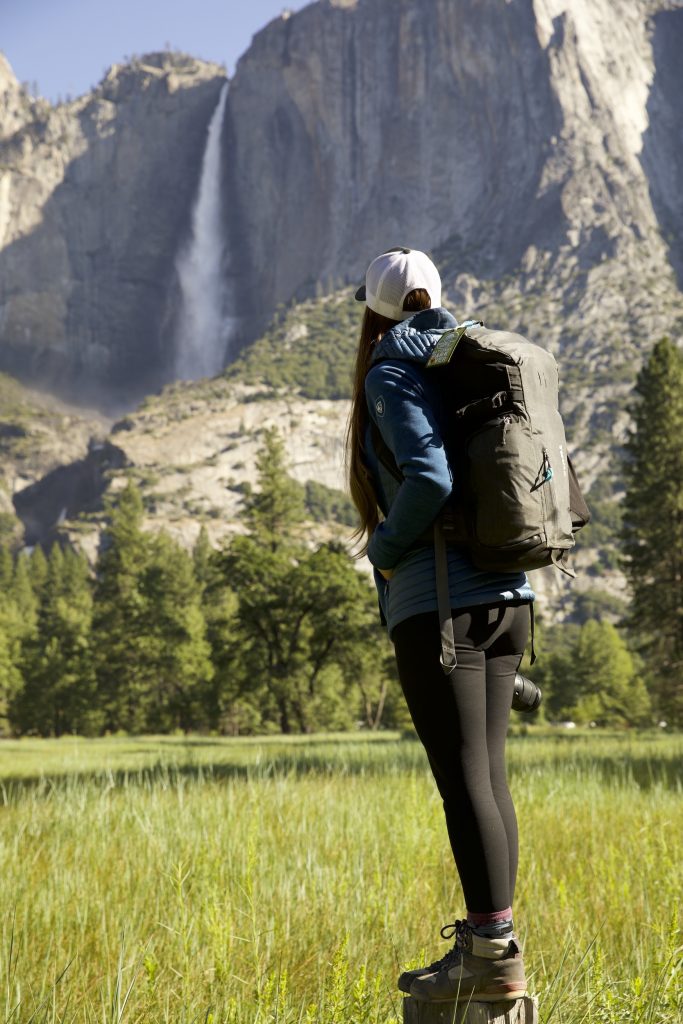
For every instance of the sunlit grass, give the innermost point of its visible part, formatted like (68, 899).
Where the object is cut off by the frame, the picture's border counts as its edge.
(177, 880)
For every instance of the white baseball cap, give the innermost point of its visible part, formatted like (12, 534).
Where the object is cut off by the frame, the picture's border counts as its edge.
(391, 276)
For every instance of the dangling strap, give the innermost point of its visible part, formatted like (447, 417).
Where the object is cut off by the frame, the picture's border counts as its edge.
(533, 652)
(443, 597)
(560, 559)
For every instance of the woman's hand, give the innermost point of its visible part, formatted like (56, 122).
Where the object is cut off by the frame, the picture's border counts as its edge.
(387, 573)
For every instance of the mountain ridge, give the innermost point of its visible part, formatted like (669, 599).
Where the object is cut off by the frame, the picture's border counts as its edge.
(540, 140)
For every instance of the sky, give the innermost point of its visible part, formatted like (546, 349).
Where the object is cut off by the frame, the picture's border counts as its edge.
(65, 46)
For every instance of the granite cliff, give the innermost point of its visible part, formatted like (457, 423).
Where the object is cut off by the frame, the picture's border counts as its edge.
(537, 140)
(95, 199)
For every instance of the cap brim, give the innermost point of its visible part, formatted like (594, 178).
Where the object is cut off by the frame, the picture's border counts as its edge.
(360, 294)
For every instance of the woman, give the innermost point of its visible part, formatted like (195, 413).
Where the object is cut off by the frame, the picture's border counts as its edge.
(461, 719)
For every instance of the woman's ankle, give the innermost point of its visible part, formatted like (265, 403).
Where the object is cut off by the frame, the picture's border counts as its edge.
(493, 925)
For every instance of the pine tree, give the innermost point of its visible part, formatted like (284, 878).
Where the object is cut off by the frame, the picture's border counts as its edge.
(18, 617)
(201, 557)
(173, 644)
(223, 706)
(119, 614)
(653, 525)
(555, 668)
(152, 657)
(59, 691)
(6, 569)
(12, 630)
(274, 510)
(37, 570)
(22, 592)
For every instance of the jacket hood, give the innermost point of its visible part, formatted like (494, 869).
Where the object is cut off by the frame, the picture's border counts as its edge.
(415, 338)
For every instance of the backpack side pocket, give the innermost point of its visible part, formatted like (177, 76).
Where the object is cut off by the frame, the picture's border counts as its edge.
(505, 509)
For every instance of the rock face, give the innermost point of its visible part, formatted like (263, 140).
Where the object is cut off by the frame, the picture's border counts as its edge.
(191, 451)
(403, 120)
(71, 490)
(39, 434)
(15, 106)
(534, 138)
(95, 199)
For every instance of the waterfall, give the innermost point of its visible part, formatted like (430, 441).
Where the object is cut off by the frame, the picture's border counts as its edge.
(203, 327)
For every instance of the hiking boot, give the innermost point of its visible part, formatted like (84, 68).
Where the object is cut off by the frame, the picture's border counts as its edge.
(460, 930)
(484, 970)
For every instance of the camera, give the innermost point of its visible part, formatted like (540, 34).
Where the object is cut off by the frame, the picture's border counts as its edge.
(527, 695)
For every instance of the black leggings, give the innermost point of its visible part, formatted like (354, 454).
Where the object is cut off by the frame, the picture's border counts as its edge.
(462, 722)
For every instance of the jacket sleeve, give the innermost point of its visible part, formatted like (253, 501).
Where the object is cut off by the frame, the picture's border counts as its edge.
(398, 405)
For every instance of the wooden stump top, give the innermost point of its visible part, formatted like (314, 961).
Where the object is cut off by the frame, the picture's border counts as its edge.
(521, 1011)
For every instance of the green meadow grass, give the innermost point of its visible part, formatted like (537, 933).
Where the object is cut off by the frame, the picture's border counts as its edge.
(173, 879)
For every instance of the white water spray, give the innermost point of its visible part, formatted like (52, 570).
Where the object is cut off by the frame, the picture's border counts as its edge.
(203, 328)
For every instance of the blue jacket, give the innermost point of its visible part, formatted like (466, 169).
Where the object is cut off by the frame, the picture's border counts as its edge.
(404, 402)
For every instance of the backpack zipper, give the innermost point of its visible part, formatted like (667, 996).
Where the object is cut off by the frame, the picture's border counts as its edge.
(547, 468)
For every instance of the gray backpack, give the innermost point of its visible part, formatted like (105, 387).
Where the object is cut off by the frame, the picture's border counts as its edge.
(516, 503)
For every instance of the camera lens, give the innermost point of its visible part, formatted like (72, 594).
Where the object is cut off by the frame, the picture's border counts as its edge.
(527, 695)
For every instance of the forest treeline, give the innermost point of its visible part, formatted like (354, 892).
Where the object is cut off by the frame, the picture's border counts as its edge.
(267, 634)
(264, 634)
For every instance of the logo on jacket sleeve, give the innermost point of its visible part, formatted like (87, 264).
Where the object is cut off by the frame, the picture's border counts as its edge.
(379, 406)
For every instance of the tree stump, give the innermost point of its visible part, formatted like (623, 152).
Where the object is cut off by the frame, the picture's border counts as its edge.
(521, 1011)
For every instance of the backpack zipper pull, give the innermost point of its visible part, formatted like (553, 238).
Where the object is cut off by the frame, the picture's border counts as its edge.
(548, 474)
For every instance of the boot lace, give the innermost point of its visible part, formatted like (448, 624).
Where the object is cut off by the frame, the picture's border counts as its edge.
(459, 929)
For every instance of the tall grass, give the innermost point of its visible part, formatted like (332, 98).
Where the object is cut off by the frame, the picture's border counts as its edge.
(209, 880)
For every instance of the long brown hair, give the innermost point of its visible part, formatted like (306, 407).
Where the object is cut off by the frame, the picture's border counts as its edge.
(360, 482)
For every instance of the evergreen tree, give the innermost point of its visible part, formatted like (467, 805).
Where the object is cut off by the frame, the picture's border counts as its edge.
(37, 570)
(9, 529)
(11, 680)
(6, 569)
(59, 693)
(303, 617)
(173, 643)
(22, 592)
(261, 649)
(18, 608)
(152, 656)
(119, 614)
(588, 674)
(653, 525)
(218, 604)
(225, 707)
(274, 510)
(611, 690)
(201, 557)
(12, 631)
(555, 670)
